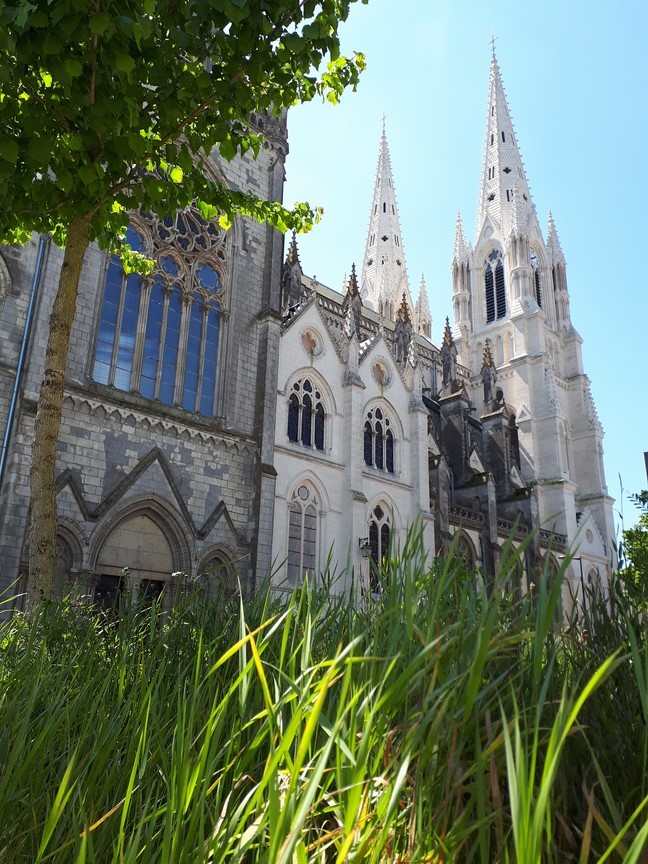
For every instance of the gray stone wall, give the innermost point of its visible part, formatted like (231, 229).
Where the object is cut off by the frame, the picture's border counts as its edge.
(118, 451)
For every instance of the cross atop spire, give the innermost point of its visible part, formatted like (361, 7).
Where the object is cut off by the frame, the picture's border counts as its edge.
(503, 169)
(384, 272)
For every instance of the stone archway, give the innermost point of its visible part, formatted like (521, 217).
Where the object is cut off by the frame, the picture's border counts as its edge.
(135, 558)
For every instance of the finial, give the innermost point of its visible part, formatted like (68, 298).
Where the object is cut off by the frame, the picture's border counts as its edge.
(447, 334)
(493, 39)
(384, 117)
(293, 252)
(352, 287)
(488, 357)
(404, 309)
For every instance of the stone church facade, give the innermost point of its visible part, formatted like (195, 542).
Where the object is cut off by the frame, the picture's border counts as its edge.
(488, 436)
(231, 416)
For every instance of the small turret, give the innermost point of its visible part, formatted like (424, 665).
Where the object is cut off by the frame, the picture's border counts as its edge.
(291, 278)
(448, 361)
(352, 306)
(559, 276)
(461, 279)
(423, 314)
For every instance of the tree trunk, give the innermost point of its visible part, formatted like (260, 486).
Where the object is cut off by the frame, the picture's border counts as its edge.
(42, 481)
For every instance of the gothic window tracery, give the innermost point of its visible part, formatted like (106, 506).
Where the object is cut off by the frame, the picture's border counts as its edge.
(159, 335)
(379, 444)
(495, 287)
(306, 415)
(380, 530)
(464, 550)
(302, 534)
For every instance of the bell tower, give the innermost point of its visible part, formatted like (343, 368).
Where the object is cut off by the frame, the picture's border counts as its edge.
(510, 292)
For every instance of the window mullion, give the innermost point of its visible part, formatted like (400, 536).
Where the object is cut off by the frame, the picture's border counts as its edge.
(203, 348)
(118, 325)
(138, 351)
(178, 387)
(167, 291)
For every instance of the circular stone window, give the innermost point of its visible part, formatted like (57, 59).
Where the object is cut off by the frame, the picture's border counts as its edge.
(380, 372)
(311, 342)
(589, 536)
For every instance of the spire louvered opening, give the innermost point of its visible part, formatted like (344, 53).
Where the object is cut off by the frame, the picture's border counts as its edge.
(535, 264)
(495, 287)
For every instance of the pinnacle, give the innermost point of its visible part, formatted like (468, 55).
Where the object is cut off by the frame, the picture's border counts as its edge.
(447, 334)
(352, 287)
(460, 245)
(488, 357)
(422, 304)
(293, 252)
(553, 242)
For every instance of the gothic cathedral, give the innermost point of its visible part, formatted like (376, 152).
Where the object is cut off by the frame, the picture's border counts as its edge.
(231, 417)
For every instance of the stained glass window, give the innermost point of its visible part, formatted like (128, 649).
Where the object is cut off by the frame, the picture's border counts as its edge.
(159, 335)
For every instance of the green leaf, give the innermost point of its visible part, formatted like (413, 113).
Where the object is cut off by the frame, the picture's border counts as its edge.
(124, 63)
(176, 174)
(8, 150)
(73, 68)
(51, 44)
(64, 179)
(100, 22)
(228, 149)
(39, 150)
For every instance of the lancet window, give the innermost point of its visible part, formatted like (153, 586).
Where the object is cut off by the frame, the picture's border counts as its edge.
(495, 286)
(379, 539)
(159, 335)
(302, 534)
(379, 442)
(306, 415)
(535, 265)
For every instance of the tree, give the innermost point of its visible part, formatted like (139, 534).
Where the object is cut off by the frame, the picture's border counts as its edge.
(634, 575)
(109, 106)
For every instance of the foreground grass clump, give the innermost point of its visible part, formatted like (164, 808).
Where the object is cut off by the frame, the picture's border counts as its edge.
(446, 722)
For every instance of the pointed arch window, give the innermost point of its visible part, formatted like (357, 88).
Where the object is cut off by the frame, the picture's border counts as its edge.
(514, 441)
(306, 415)
(535, 265)
(159, 336)
(380, 535)
(464, 550)
(379, 444)
(494, 286)
(302, 534)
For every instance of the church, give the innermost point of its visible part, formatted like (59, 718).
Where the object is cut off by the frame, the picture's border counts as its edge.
(230, 417)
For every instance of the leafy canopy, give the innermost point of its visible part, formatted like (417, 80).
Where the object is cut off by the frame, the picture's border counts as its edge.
(110, 105)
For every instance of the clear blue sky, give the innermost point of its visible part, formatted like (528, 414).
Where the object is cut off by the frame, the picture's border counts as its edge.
(576, 79)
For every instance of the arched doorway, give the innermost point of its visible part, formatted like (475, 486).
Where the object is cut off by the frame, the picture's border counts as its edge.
(135, 560)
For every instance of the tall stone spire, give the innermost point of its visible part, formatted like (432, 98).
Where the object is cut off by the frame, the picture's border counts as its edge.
(503, 170)
(384, 273)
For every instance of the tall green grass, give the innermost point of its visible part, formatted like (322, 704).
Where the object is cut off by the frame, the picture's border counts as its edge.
(447, 720)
